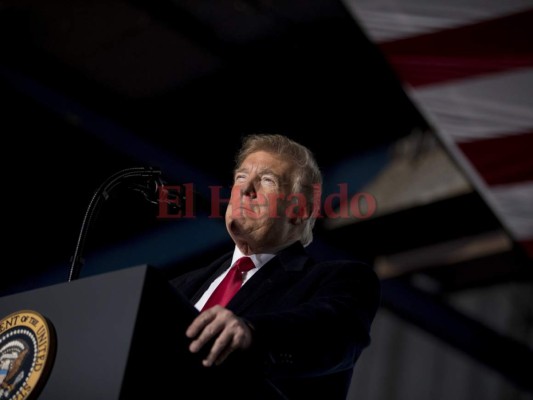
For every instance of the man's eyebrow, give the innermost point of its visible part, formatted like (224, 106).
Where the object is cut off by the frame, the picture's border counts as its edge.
(240, 169)
(268, 171)
(265, 171)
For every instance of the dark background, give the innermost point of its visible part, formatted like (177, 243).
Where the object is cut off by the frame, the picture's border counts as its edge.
(90, 88)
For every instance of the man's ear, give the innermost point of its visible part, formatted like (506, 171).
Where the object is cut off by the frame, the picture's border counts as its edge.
(297, 209)
(300, 216)
(296, 220)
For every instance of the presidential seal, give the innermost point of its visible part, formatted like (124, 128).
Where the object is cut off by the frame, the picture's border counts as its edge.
(27, 351)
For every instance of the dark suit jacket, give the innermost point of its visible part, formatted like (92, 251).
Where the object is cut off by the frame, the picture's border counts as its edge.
(311, 321)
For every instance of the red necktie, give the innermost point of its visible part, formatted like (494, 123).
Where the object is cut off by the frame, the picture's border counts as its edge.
(231, 283)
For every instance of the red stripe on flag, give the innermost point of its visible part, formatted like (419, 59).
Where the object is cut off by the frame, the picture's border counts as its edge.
(486, 47)
(527, 245)
(502, 160)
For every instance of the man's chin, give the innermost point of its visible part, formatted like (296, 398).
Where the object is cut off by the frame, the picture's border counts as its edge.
(236, 228)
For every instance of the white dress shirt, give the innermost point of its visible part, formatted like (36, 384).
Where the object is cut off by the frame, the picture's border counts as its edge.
(258, 259)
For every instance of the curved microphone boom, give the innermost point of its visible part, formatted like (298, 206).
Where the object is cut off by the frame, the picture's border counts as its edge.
(151, 182)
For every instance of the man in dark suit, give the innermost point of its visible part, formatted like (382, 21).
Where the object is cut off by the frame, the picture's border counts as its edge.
(296, 327)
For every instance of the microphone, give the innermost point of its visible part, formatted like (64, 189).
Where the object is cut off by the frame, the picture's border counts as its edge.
(155, 191)
(145, 180)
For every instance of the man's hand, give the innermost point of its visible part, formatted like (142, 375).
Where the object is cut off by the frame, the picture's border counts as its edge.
(229, 332)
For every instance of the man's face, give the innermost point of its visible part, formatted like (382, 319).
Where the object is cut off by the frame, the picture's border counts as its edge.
(256, 217)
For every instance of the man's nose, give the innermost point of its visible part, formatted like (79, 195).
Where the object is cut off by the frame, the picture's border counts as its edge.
(249, 188)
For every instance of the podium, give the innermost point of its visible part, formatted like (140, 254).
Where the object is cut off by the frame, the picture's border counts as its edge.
(118, 335)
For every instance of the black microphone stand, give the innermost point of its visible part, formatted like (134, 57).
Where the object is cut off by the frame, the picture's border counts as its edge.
(102, 194)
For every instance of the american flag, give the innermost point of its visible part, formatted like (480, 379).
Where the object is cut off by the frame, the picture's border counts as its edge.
(468, 67)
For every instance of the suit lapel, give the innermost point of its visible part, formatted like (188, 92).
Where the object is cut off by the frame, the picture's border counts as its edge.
(200, 280)
(277, 273)
(259, 285)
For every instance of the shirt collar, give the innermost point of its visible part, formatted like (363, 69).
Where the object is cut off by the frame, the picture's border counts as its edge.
(258, 259)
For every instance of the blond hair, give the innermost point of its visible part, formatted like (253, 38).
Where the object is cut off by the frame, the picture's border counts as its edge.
(307, 178)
